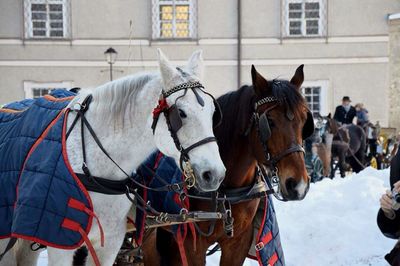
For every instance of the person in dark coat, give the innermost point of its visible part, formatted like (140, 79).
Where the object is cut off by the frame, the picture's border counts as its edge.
(389, 214)
(345, 113)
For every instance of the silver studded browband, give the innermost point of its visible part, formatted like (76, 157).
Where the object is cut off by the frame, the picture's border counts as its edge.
(183, 86)
(268, 99)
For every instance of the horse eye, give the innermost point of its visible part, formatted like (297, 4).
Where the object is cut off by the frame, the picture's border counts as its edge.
(182, 114)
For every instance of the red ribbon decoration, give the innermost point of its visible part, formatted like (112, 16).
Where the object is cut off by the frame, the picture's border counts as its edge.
(161, 107)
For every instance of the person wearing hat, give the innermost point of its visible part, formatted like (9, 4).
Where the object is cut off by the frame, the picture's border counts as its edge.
(345, 112)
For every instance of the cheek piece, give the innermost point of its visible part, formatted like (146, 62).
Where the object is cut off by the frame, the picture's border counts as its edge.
(174, 123)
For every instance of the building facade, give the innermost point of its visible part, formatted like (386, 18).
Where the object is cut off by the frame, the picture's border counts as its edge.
(344, 44)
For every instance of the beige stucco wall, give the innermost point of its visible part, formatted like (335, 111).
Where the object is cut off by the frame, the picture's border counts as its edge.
(394, 75)
(101, 24)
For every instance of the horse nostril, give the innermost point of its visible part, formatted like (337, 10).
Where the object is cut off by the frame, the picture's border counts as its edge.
(207, 176)
(291, 185)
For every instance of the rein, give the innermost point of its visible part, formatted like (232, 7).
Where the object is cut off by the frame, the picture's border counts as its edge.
(127, 186)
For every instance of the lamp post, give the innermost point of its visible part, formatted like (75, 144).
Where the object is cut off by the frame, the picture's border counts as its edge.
(111, 57)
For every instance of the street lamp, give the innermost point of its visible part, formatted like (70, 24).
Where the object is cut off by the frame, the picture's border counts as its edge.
(111, 57)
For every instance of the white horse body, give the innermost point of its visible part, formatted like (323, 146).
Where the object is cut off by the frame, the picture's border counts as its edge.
(121, 115)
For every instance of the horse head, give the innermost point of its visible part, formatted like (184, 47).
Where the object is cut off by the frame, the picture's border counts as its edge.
(283, 122)
(189, 120)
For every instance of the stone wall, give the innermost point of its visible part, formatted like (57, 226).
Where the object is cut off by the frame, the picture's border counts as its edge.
(394, 71)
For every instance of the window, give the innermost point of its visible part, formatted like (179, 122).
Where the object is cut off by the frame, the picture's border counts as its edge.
(46, 18)
(304, 18)
(39, 89)
(174, 19)
(316, 96)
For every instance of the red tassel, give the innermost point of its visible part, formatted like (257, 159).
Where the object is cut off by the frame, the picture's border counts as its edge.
(161, 107)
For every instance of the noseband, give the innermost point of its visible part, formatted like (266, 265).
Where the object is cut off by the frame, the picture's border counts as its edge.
(174, 123)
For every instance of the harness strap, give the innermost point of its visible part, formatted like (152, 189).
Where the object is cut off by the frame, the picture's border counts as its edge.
(294, 148)
(74, 226)
(73, 203)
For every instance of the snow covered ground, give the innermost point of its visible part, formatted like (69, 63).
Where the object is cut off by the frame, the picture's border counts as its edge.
(334, 225)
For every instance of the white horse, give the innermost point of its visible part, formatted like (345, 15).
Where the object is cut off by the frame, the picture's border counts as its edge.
(121, 116)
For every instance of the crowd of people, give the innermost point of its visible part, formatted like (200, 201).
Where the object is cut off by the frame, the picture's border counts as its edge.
(379, 147)
(377, 150)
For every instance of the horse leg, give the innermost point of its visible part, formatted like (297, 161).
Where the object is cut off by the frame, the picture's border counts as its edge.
(333, 169)
(113, 237)
(24, 254)
(231, 254)
(9, 258)
(151, 256)
(342, 163)
(167, 248)
(60, 257)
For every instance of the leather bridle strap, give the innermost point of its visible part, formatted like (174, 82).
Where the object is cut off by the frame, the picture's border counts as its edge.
(185, 152)
(294, 148)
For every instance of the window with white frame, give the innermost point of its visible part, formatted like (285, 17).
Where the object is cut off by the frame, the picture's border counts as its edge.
(46, 18)
(304, 18)
(38, 89)
(174, 19)
(315, 93)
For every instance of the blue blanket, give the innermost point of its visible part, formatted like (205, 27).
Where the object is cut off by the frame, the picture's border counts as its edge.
(41, 199)
(269, 250)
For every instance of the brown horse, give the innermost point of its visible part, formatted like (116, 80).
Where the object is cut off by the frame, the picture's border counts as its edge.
(263, 124)
(348, 146)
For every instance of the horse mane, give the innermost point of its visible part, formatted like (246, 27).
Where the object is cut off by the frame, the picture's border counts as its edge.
(288, 95)
(112, 99)
(237, 108)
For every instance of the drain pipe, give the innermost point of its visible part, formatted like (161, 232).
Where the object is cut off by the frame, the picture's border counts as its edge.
(239, 42)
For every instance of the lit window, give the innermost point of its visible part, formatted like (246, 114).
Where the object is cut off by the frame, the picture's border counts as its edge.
(39, 89)
(305, 18)
(46, 18)
(174, 19)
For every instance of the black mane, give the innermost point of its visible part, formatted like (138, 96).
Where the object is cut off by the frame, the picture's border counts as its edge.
(238, 106)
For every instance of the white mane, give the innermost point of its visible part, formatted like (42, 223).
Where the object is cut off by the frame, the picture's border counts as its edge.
(113, 99)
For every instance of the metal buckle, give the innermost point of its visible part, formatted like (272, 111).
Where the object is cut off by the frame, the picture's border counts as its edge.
(259, 246)
(175, 187)
(190, 179)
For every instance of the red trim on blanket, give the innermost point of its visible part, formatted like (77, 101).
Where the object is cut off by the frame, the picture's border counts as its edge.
(261, 229)
(74, 226)
(273, 259)
(139, 241)
(83, 189)
(72, 172)
(76, 204)
(268, 237)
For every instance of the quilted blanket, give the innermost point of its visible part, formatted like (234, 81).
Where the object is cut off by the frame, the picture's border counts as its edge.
(267, 249)
(41, 199)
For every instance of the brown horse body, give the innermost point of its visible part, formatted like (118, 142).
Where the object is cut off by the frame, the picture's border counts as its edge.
(241, 153)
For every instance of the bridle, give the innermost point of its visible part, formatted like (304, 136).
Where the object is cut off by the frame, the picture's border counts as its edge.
(174, 123)
(261, 123)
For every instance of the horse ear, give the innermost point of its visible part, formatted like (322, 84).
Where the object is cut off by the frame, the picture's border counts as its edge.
(298, 77)
(260, 84)
(196, 64)
(168, 72)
